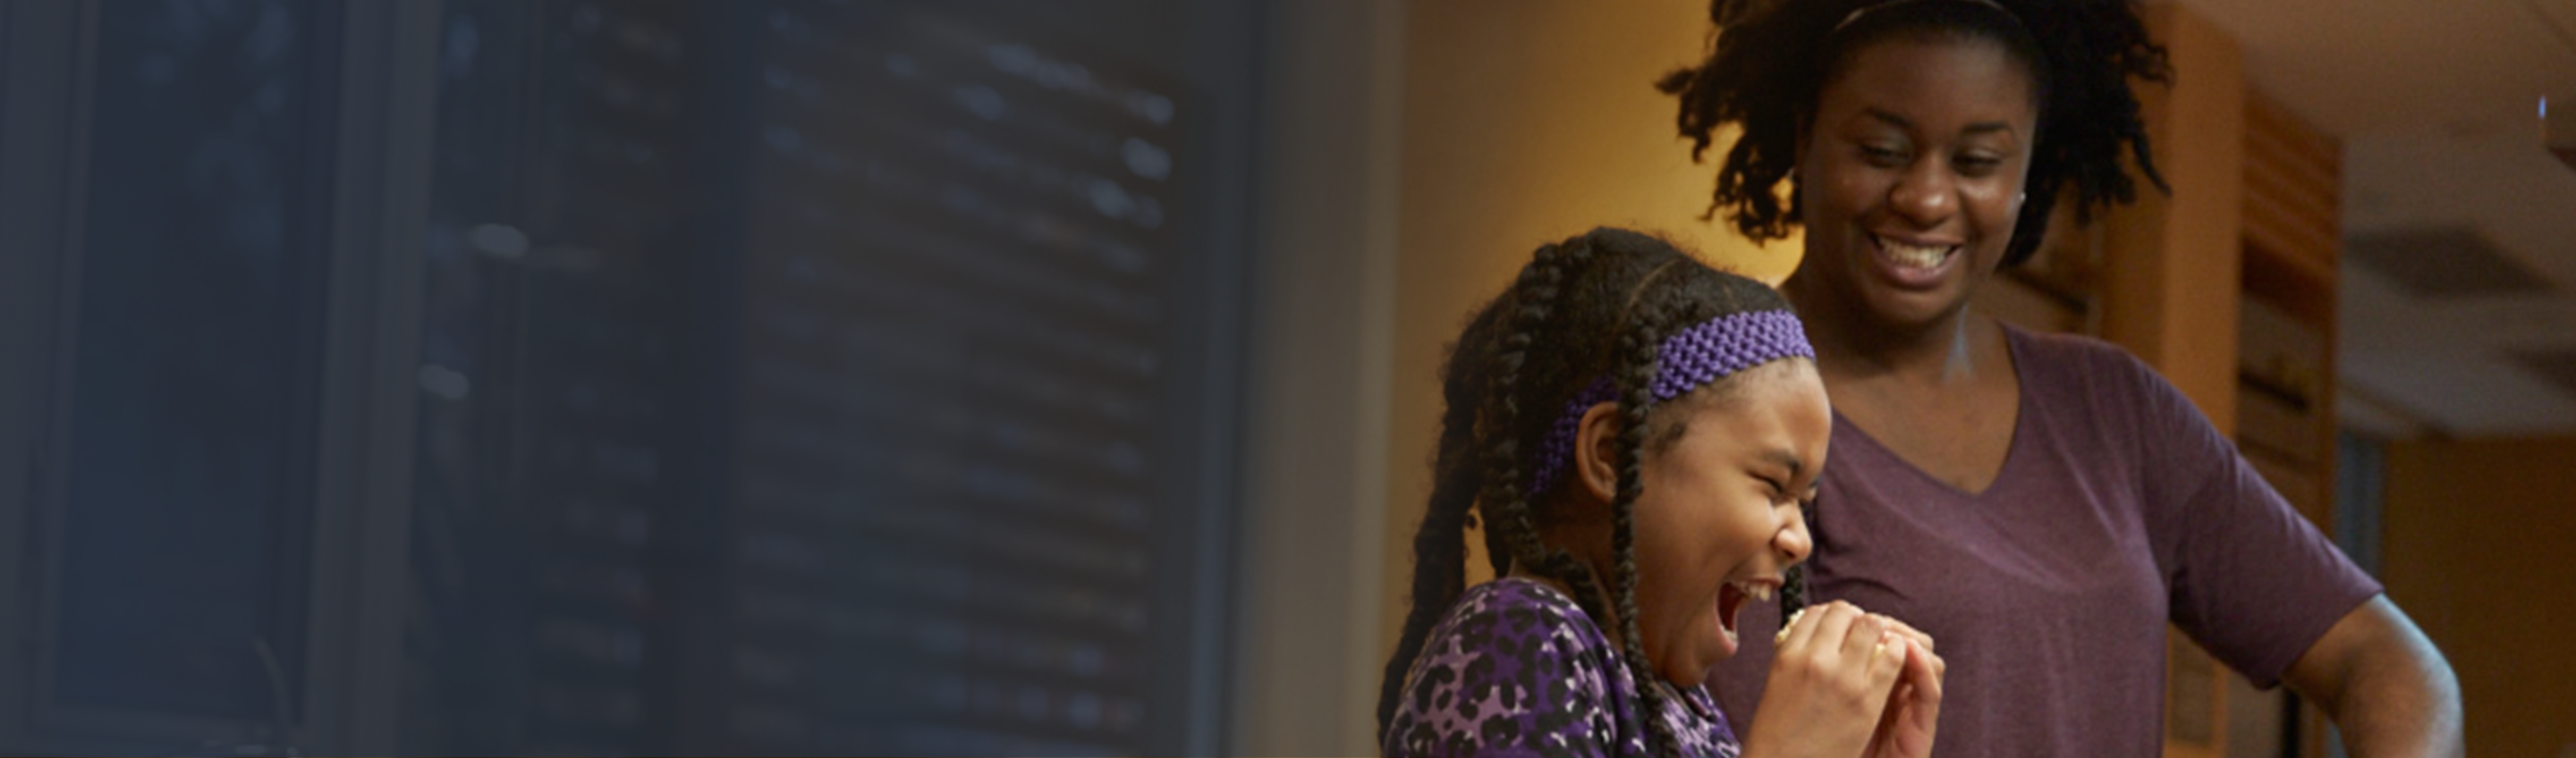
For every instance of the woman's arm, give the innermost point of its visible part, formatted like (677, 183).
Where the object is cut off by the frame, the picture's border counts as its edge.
(2383, 683)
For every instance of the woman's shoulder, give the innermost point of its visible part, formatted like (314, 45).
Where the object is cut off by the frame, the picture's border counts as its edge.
(2088, 365)
(2130, 408)
(2061, 347)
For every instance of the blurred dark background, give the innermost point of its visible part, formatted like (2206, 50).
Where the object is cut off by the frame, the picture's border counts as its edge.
(573, 376)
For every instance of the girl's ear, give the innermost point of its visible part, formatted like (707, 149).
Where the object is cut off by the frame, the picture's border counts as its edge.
(1596, 453)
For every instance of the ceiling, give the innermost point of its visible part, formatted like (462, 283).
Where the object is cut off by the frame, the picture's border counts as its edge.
(2438, 104)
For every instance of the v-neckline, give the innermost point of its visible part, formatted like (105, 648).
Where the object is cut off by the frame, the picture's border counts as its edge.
(2012, 448)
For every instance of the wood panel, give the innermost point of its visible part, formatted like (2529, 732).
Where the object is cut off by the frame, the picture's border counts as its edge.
(2293, 246)
(2293, 210)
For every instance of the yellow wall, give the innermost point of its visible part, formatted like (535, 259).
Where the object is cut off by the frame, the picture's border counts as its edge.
(2477, 534)
(1525, 122)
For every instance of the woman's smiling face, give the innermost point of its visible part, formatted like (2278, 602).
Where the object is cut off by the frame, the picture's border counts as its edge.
(1910, 174)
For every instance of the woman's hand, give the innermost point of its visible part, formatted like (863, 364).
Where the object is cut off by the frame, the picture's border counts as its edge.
(1914, 707)
(1846, 683)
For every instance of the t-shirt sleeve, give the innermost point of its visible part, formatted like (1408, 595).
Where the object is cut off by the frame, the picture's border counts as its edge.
(2248, 578)
(1508, 677)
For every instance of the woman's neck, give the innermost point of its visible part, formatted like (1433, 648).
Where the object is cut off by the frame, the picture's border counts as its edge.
(1851, 346)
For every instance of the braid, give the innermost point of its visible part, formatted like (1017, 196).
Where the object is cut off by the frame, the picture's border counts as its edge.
(1504, 498)
(1638, 363)
(1498, 550)
(1463, 477)
(1512, 537)
(1509, 511)
(1507, 501)
(1439, 547)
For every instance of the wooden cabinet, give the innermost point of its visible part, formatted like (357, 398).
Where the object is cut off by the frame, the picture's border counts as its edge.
(2285, 359)
(2286, 332)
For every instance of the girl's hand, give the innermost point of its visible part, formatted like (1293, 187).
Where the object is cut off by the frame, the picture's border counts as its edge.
(1832, 683)
(1914, 708)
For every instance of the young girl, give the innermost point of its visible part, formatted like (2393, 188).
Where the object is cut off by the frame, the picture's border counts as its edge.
(2045, 505)
(1638, 432)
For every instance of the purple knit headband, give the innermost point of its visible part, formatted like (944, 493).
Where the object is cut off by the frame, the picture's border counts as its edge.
(1688, 360)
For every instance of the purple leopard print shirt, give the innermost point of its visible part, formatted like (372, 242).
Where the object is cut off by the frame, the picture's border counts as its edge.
(1517, 669)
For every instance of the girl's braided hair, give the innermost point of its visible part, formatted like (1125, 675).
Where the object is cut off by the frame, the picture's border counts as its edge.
(1769, 60)
(1593, 306)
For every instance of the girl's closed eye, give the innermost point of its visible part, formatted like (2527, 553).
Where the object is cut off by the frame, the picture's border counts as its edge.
(1780, 492)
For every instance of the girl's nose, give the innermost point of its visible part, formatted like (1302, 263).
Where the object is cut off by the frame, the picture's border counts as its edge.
(1793, 542)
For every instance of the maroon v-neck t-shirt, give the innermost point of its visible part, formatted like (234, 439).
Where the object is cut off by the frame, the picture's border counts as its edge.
(2118, 509)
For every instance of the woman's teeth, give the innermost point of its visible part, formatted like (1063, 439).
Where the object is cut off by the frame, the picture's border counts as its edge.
(1758, 592)
(1915, 256)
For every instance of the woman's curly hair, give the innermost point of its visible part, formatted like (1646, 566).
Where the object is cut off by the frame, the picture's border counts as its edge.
(1769, 60)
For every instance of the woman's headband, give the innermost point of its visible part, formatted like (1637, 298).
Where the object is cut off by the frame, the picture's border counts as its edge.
(1687, 360)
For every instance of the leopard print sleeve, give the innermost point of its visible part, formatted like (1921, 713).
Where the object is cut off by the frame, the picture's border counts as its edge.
(1516, 669)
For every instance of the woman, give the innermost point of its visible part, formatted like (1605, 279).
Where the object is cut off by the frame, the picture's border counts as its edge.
(2043, 505)
(1638, 431)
